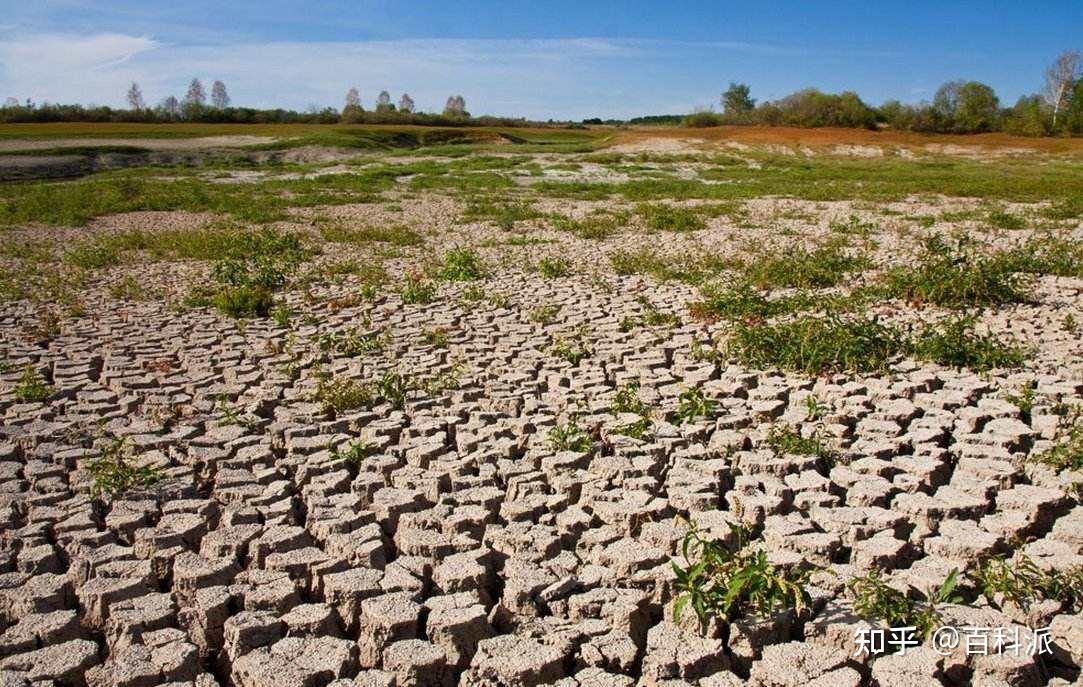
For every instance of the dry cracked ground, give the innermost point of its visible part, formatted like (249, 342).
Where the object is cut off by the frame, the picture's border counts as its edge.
(448, 419)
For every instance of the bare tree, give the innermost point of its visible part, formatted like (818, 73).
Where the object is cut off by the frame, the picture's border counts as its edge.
(353, 99)
(171, 106)
(11, 102)
(135, 98)
(219, 96)
(406, 103)
(196, 95)
(455, 106)
(1059, 80)
(383, 101)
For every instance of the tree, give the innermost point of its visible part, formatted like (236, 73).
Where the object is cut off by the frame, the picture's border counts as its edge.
(383, 102)
(1059, 80)
(1073, 110)
(219, 96)
(977, 108)
(135, 98)
(1029, 117)
(11, 102)
(455, 106)
(353, 99)
(171, 107)
(406, 104)
(196, 95)
(736, 100)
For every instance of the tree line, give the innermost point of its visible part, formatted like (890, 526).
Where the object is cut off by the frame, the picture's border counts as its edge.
(959, 106)
(196, 107)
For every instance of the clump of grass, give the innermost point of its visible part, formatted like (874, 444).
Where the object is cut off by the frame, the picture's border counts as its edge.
(353, 453)
(1005, 220)
(875, 600)
(128, 288)
(417, 291)
(32, 387)
(504, 214)
(397, 235)
(552, 267)
(735, 580)
(241, 301)
(692, 405)
(1047, 254)
(821, 267)
(573, 349)
(784, 440)
(351, 343)
(627, 400)
(735, 299)
(596, 226)
(393, 388)
(816, 345)
(113, 475)
(341, 395)
(1023, 399)
(853, 226)
(955, 276)
(544, 314)
(636, 429)
(462, 264)
(434, 336)
(570, 437)
(1020, 581)
(662, 217)
(954, 343)
(691, 270)
(1067, 450)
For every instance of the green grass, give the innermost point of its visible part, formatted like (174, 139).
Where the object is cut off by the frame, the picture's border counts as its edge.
(821, 267)
(462, 264)
(784, 440)
(816, 345)
(1020, 581)
(956, 276)
(1005, 220)
(32, 387)
(417, 291)
(954, 343)
(570, 437)
(662, 217)
(338, 396)
(596, 226)
(112, 474)
(627, 400)
(552, 267)
(1067, 450)
(505, 214)
(875, 600)
(693, 406)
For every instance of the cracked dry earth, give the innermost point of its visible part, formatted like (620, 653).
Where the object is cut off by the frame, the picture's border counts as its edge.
(462, 549)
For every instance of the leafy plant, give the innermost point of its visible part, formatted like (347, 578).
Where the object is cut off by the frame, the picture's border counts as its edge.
(544, 314)
(243, 301)
(353, 342)
(734, 580)
(570, 437)
(692, 405)
(462, 264)
(572, 349)
(1067, 450)
(393, 387)
(32, 387)
(661, 217)
(1023, 399)
(353, 453)
(875, 600)
(955, 343)
(783, 439)
(627, 400)
(816, 345)
(417, 291)
(341, 395)
(823, 266)
(434, 336)
(113, 475)
(636, 429)
(956, 276)
(552, 267)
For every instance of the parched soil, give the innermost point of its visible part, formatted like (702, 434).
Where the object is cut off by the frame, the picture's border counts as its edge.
(186, 505)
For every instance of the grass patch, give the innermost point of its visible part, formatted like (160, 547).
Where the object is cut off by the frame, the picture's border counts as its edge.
(398, 235)
(113, 475)
(32, 387)
(954, 343)
(821, 267)
(552, 267)
(662, 217)
(570, 437)
(955, 276)
(1067, 450)
(875, 600)
(816, 345)
(462, 264)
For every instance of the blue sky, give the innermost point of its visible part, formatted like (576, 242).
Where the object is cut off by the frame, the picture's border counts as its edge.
(553, 58)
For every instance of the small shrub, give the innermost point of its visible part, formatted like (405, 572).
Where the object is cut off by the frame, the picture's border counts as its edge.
(660, 217)
(282, 314)
(954, 343)
(570, 437)
(393, 388)
(113, 475)
(731, 581)
(734, 300)
(462, 264)
(435, 336)
(32, 388)
(597, 227)
(636, 429)
(128, 289)
(692, 405)
(1023, 399)
(571, 349)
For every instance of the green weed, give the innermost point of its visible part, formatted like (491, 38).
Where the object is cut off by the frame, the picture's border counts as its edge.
(692, 405)
(113, 475)
(32, 387)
